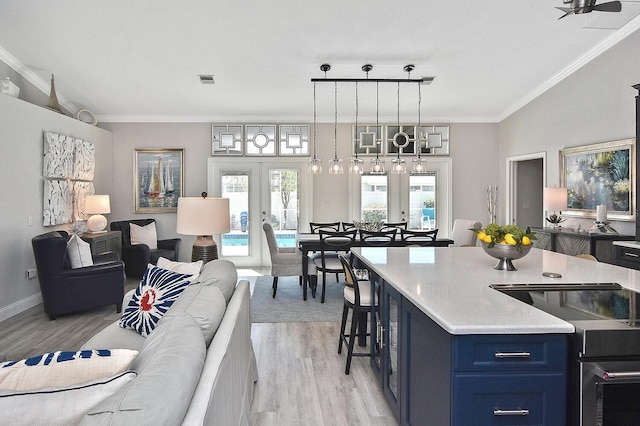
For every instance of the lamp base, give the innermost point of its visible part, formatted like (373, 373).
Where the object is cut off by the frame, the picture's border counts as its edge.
(204, 248)
(97, 223)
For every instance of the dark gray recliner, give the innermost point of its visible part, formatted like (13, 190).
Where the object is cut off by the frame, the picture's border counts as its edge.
(137, 257)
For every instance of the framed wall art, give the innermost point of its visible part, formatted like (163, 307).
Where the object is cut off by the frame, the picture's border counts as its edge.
(158, 178)
(600, 174)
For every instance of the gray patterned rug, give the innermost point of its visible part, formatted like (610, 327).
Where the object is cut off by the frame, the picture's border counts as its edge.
(288, 305)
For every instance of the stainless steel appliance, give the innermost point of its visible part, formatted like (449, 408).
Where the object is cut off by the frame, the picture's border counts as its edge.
(604, 374)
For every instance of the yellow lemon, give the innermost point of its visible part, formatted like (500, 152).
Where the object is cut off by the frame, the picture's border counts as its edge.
(526, 241)
(509, 239)
(481, 235)
(487, 239)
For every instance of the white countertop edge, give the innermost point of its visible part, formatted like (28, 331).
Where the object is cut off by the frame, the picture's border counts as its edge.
(630, 244)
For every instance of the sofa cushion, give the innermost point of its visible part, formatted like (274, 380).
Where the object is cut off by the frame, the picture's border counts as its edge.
(155, 294)
(114, 336)
(192, 268)
(60, 369)
(58, 406)
(169, 367)
(79, 252)
(144, 235)
(222, 274)
(205, 304)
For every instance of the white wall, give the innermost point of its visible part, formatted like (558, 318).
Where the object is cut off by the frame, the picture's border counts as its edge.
(21, 137)
(595, 104)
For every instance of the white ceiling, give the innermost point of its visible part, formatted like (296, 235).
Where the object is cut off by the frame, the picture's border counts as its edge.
(139, 60)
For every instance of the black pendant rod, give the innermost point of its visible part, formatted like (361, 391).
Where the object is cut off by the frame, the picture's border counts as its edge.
(373, 80)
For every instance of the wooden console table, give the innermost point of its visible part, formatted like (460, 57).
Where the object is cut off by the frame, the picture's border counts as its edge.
(567, 241)
(103, 242)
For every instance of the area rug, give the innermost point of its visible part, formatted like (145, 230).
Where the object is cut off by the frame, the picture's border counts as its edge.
(288, 305)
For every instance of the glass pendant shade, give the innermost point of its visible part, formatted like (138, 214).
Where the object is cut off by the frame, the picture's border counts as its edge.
(356, 166)
(315, 166)
(398, 166)
(419, 165)
(377, 166)
(335, 167)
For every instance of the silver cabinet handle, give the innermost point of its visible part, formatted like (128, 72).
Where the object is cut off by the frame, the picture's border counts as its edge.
(629, 254)
(498, 412)
(501, 355)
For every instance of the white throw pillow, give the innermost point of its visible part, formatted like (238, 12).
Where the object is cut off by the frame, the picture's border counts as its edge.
(144, 235)
(79, 252)
(63, 369)
(192, 268)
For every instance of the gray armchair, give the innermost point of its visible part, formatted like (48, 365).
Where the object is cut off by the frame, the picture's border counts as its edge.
(287, 262)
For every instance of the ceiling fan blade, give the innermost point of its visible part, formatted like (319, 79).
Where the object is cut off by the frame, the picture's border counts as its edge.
(567, 11)
(612, 6)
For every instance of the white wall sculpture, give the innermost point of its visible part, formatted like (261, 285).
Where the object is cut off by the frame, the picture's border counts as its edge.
(84, 162)
(81, 190)
(58, 156)
(57, 202)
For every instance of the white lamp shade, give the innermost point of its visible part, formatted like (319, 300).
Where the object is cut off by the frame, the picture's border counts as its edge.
(554, 199)
(97, 204)
(203, 216)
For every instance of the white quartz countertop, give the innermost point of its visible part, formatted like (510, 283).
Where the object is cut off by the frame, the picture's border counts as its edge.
(451, 285)
(630, 244)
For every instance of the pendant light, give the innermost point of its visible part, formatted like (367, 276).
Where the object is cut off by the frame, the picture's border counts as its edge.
(377, 164)
(356, 164)
(315, 164)
(419, 164)
(335, 165)
(400, 139)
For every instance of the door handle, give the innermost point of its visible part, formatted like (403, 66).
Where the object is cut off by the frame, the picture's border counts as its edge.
(519, 412)
(503, 355)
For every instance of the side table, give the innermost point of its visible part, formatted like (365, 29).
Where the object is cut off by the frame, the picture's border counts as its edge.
(104, 241)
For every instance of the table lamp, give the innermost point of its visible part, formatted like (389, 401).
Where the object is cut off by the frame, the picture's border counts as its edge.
(204, 217)
(97, 206)
(555, 200)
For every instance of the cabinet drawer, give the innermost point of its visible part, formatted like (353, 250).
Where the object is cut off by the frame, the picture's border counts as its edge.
(513, 399)
(525, 352)
(627, 257)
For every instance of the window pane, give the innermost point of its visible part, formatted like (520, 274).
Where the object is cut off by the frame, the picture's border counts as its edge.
(373, 198)
(422, 201)
(284, 200)
(235, 187)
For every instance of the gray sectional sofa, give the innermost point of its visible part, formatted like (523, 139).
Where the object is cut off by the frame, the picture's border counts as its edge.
(196, 368)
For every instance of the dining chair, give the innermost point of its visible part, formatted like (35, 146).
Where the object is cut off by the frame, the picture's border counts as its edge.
(418, 238)
(324, 226)
(332, 242)
(462, 235)
(393, 225)
(348, 226)
(358, 299)
(287, 262)
(378, 238)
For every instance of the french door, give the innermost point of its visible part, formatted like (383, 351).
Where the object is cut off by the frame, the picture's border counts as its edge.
(275, 190)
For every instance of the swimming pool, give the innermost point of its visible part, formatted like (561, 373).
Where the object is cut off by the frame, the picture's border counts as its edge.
(284, 239)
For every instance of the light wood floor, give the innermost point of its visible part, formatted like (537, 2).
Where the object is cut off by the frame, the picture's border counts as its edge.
(301, 376)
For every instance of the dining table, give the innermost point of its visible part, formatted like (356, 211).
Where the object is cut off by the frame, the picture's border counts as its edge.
(310, 242)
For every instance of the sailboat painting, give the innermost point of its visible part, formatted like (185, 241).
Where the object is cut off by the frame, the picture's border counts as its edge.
(158, 180)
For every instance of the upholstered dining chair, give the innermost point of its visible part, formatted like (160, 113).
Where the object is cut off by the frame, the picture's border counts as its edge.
(287, 262)
(418, 238)
(332, 242)
(358, 299)
(462, 235)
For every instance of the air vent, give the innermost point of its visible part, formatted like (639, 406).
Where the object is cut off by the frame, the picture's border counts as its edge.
(206, 79)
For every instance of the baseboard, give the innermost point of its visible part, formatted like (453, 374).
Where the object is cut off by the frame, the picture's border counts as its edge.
(20, 306)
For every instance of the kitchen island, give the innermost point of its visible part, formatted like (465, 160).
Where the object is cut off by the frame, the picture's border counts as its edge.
(455, 351)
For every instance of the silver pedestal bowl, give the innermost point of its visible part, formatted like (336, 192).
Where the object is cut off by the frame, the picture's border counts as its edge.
(505, 254)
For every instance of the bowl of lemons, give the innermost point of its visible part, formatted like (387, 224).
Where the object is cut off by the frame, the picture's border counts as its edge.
(505, 243)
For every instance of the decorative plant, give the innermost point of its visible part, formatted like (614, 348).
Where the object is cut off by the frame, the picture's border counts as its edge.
(78, 228)
(429, 203)
(555, 219)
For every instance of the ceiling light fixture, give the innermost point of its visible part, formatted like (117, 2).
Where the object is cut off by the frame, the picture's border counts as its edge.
(400, 139)
(335, 165)
(377, 164)
(419, 164)
(356, 164)
(315, 164)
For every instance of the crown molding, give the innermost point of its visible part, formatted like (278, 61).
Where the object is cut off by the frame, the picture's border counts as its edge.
(593, 53)
(33, 78)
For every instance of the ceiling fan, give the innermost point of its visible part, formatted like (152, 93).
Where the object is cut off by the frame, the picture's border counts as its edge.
(587, 6)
